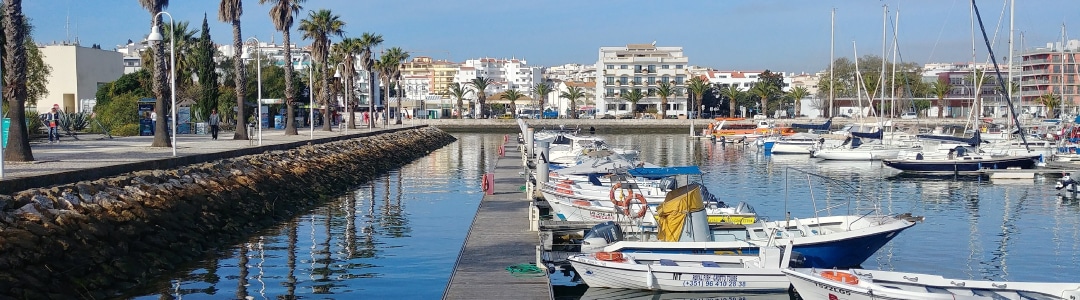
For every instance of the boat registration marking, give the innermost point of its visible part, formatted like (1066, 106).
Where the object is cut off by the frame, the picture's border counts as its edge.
(602, 215)
(712, 280)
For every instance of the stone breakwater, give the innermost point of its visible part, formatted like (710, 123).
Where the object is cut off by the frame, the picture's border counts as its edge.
(95, 239)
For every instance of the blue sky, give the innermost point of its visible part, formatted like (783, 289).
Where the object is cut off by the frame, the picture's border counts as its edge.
(788, 36)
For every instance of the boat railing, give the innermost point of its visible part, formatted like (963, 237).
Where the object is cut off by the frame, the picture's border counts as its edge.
(833, 184)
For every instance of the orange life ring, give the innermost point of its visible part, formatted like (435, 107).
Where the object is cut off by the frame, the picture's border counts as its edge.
(839, 276)
(623, 200)
(640, 212)
(484, 186)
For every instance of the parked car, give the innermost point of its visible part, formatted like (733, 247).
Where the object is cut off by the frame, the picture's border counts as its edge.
(909, 115)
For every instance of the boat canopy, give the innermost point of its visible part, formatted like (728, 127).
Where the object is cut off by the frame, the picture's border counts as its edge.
(607, 164)
(974, 140)
(675, 211)
(868, 135)
(825, 126)
(664, 171)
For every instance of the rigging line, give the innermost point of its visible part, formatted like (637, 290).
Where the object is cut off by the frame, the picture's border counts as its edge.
(997, 71)
(940, 32)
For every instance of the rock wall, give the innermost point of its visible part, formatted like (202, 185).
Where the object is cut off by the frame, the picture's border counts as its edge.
(95, 239)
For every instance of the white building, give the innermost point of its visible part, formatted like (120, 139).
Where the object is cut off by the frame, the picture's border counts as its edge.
(132, 53)
(571, 72)
(506, 74)
(76, 74)
(641, 67)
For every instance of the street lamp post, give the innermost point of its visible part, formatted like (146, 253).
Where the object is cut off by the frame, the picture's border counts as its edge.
(311, 97)
(155, 36)
(345, 81)
(258, 74)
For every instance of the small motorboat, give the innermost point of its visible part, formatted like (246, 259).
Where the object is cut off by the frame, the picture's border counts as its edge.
(815, 284)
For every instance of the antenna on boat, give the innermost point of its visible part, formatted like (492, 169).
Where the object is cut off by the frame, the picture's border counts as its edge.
(997, 72)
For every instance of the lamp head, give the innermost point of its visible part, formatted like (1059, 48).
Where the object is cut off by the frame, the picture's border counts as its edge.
(337, 73)
(245, 55)
(155, 35)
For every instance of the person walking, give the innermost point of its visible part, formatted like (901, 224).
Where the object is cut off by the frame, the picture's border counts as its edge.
(53, 120)
(214, 121)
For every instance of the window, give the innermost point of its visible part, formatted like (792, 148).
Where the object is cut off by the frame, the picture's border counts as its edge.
(610, 92)
(637, 79)
(665, 79)
(678, 66)
(637, 68)
(652, 68)
(610, 67)
(679, 79)
(610, 80)
(652, 80)
(623, 67)
(624, 80)
(622, 91)
(665, 67)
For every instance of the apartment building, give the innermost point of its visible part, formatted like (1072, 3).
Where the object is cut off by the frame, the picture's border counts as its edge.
(640, 67)
(506, 74)
(1050, 70)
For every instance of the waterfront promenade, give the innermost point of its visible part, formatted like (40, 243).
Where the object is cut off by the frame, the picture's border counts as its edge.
(95, 155)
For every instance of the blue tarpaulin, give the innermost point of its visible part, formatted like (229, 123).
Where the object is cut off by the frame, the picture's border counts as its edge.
(665, 171)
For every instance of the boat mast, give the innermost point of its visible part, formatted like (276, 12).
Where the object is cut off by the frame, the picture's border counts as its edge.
(832, 44)
(976, 107)
(881, 77)
(1009, 88)
(1062, 82)
(896, 28)
(859, 81)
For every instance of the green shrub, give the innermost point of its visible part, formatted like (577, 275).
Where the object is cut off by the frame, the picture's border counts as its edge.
(125, 130)
(119, 111)
(34, 124)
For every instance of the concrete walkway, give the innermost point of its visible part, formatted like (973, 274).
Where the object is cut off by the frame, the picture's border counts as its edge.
(95, 151)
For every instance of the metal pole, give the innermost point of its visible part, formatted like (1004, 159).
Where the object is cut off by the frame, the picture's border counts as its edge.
(172, 63)
(1, 114)
(258, 73)
(346, 102)
(311, 98)
(832, 44)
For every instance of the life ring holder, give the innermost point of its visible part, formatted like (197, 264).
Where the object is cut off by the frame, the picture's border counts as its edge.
(484, 184)
(842, 277)
(641, 212)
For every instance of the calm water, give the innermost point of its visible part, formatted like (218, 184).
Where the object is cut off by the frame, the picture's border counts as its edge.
(399, 235)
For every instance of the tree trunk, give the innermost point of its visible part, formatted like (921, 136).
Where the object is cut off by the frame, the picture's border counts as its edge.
(15, 82)
(238, 64)
(290, 93)
(349, 108)
(371, 96)
(663, 107)
(731, 107)
(326, 94)
(161, 137)
(386, 108)
(397, 116)
(482, 99)
(460, 103)
(941, 107)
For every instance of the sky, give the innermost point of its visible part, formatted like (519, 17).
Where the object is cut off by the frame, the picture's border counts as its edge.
(788, 36)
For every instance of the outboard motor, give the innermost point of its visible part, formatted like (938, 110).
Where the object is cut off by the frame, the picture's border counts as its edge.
(600, 236)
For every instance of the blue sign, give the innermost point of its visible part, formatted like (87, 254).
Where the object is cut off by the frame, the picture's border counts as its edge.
(6, 126)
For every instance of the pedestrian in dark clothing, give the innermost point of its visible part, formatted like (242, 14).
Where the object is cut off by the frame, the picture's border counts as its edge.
(214, 121)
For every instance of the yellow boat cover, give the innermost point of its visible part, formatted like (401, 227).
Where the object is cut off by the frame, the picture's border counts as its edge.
(677, 206)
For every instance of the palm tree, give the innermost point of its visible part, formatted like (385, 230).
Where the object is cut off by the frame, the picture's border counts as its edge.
(229, 12)
(940, 89)
(158, 50)
(665, 90)
(979, 78)
(346, 50)
(797, 94)
(513, 96)
(573, 93)
(764, 91)
(367, 41)
(480, 85)
(733, 93)
(541, 90)
(1052, 102)
(184, 45)
(15, 32)
(319, 27)
(282, 13)
(396, 56)
(633, 97)
(697, 86)
(459, 92)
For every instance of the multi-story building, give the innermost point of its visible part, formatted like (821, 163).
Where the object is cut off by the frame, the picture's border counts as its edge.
(77, 72)
(570, 72)
(444, 72)
(506, 74)
(640, 67)
(132, 53)
(1045, 72)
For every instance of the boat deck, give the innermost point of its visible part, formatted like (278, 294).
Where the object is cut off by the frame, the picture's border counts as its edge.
(498, 238)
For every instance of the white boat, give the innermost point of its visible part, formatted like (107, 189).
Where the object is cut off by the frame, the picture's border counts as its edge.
(685, 272)
(857, 284)
(799, 143)
(862, 152)
(595, 293)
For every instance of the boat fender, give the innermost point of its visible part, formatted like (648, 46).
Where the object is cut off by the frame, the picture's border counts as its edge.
(640, 212)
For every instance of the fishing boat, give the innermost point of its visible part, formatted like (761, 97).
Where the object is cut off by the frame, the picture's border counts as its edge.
(857, 284)
(823, 242)
(685, 272)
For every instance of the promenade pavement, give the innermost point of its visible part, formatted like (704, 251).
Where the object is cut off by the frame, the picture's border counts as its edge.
(96, 150)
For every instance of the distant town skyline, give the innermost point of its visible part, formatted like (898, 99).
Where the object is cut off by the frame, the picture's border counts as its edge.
(788, 36)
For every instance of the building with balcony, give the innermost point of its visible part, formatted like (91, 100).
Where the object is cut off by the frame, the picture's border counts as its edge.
(132, 54)
(77, 72)
(1044, 71)
(506, 74)
(570, 72)
(620, 70)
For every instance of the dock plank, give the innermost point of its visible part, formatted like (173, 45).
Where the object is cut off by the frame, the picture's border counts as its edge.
(499, 237)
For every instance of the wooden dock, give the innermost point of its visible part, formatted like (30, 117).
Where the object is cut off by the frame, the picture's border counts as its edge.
(498, 238)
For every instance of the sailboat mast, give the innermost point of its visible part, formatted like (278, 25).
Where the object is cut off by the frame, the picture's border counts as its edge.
(881, 77)
(832, 44)
(1062, 83)
(1009, 88)
(896, 28)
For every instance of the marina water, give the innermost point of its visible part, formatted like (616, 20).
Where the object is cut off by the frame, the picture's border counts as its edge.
(398, 236)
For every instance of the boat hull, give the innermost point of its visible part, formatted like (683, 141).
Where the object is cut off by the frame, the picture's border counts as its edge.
(856, 284)
(962, 166)
(856, 154)
(622, 275)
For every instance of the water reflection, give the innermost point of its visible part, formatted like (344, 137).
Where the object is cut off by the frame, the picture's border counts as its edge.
(396, 236)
